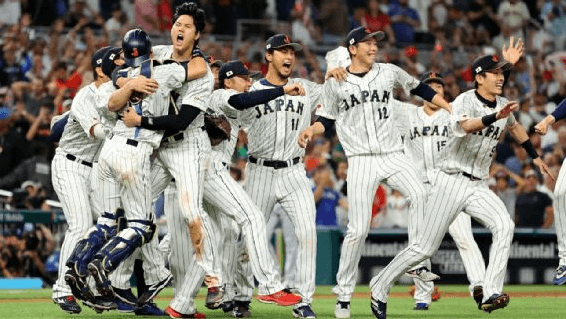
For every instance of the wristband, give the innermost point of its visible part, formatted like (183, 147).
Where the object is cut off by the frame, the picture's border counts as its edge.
(145, 122)
(528, 146)
(489, 119)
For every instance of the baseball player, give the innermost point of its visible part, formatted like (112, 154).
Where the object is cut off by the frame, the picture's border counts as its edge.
(362, 111)
(425, 131)
(559, 196)
(124, 165)
(274, 170)
(460, 184)
(72, 164)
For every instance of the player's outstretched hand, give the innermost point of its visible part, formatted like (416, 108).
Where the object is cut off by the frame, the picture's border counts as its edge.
(306, 136)
(543, 168)
(514, 51)
(144, 85)
(131, 118)
(507, 109)
(338, 73)
(294, 89)
(542, 126)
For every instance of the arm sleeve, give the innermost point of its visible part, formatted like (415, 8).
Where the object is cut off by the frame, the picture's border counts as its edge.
(329, 106)
(326, 122)
(424, 91)
(84, 111)
(177, 122)
(246, 100)
(560, 111)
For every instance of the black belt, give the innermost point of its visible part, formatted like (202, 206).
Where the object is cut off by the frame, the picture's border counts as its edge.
(129, 141)
(75, 159)
(174, 138)
(471, 177)
(275, 164)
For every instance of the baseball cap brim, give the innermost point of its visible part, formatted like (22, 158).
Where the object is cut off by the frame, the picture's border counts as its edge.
(295, 46)
(438, 80)
(503, 65)
(379, 35)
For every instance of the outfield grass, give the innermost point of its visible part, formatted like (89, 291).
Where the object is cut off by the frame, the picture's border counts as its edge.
(551, 303)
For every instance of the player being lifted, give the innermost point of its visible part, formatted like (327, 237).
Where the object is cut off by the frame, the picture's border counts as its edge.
(479, 118)
(361, 108)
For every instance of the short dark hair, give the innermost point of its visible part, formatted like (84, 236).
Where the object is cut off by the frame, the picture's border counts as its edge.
(191, 9)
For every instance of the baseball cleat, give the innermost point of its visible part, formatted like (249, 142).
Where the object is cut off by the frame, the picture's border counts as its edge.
(227, 306)
(241, 309)
(153, 290)
(150, 309)
(378, 308)
(68, 304)
(342, 309)
(174, 314)
(560, 276)
(304, 312)
(423, 274)
(103, 284)
(421, 306)
(214, 298)
(125, 295)
(79, 286)
(282, 297)
(478, 295)
(496, 301)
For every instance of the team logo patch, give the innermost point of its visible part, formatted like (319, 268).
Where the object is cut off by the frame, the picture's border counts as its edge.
(268, 46)
(287, 39)
(495, 58)
(99, 61)
(432, 74)
(368, 30)
(229, 73)
(111, 57)
(478, 69)
(135, 52)
(352, 41)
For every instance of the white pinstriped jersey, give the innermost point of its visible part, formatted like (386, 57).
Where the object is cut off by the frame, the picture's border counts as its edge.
(195, 92)
(169, 77)
(107, 118)
(362, 109)
(424, 136)
(219, 103)
(76, 138)
(472, 153)
(273, 128)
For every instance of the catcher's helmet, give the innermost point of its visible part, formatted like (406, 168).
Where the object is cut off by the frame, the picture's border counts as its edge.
(137, 47)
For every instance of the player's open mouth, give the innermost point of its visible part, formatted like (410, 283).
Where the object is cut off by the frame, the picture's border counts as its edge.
(180, 38)
(287, 65)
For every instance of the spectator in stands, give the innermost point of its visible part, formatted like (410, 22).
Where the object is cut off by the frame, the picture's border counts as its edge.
(514, 16)
(553, 13)
(404, 21)
(116, 24)
(326, 198)
(13, 148)
(520, 158)
(481, 13)
(11, 250)
(396, 214)
(376, 20)
(165, 15)
(39, 245)
(10, 68)
(533, 208)
(146, 18)
(302, 22)
(10, 12)
(341, 174)
(503, 189)
(335, 21)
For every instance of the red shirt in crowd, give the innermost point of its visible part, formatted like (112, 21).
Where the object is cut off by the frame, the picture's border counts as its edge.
(375, 24)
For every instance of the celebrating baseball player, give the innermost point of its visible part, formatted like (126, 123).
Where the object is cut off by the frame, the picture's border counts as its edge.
(425, 131)
(479, 118)
(361, 108)
(274, 173)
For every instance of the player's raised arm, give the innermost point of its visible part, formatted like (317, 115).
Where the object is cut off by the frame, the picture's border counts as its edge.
(479, 123)
(519, 134)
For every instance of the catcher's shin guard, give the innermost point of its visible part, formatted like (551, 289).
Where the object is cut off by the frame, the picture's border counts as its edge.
(87, 247)
(119, 248)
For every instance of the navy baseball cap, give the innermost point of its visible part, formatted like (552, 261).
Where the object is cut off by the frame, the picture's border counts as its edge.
(432, 76)
(361, 34)
(279, 41)
(488, 63)
(231, 69)
(97, 56)
(108, 59)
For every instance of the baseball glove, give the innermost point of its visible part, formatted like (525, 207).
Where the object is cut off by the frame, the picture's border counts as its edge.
(217, 127)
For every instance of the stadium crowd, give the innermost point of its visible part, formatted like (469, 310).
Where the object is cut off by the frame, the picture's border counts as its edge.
(46, 48)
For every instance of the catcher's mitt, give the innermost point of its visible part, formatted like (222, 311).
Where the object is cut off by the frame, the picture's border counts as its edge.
(217, 127)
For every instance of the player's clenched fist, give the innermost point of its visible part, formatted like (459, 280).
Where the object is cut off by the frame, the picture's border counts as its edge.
(542, 126)
(309, 132)
(507, 109)
(294, 89)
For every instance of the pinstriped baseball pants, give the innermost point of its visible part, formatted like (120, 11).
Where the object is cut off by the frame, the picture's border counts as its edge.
(291, 189)
(450, 194)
